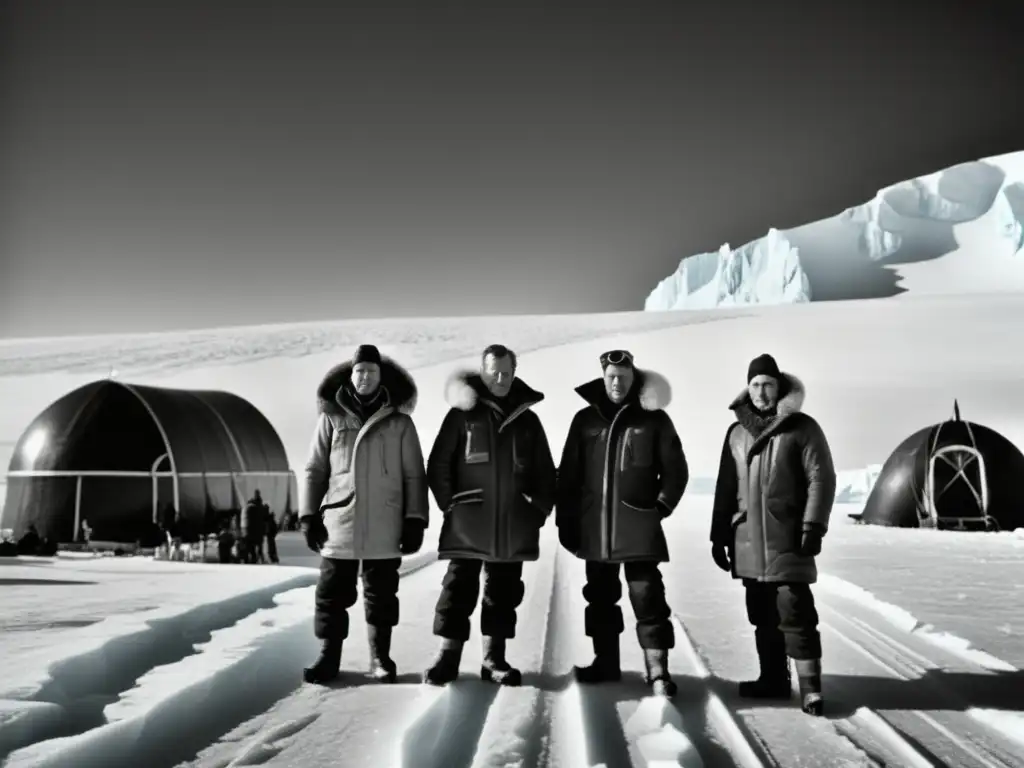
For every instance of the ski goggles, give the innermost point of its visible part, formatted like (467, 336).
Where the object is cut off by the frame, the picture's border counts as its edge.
(617, 357)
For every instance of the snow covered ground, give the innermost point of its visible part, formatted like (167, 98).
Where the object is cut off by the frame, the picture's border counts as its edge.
(901, 694)
(218, 685)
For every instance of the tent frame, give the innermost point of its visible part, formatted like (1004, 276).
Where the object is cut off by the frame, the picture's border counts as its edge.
(154, 474)
(944, 454)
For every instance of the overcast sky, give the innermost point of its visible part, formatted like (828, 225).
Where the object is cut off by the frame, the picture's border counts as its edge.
(170, 165)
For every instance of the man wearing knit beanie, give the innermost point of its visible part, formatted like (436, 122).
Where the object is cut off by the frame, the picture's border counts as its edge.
(365, 504)
(773, 498)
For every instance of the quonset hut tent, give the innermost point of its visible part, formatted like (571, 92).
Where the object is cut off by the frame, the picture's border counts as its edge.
(123, 456)
(956, 474)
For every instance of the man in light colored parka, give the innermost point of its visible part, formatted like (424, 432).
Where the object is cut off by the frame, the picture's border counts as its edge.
(365, 503)
(773, 499)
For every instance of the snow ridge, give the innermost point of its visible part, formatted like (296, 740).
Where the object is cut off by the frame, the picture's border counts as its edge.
(915, 219)
(765, 271)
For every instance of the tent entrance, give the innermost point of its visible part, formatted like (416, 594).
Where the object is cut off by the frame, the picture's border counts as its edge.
(956, 489)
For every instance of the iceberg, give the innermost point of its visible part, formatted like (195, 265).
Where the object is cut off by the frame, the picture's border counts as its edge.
(764, 271)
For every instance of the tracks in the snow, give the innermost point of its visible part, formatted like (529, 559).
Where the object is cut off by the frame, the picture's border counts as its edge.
(548, 721)
(905, 735)
(560, 723)
(553, 721)
(154, 697)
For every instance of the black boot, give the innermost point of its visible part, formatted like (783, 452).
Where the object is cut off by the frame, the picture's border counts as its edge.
(658, 677)
(774, 681)
(495, 668)
(606, 666)
(327, 666)
(446, 667)
(809, 678)
(382, 668)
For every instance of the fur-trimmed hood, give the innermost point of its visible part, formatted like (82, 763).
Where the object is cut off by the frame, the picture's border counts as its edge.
(397, 386)
(463, 389)
(655, 391)
(790, 403)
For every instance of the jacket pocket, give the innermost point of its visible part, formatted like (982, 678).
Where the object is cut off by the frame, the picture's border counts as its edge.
(638, 449)
(478, 449)
(638, 532)
(466, 528)
(342, 443)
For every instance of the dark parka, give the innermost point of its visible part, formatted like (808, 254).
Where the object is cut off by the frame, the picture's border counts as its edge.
(770, 489)
(621, 474)
(491, 473)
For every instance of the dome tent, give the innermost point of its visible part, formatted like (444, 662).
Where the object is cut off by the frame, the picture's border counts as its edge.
(123, 456)
(955, 474)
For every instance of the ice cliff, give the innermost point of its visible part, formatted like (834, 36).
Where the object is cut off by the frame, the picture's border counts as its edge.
(1010, 214)
(912, 221)
(765, 271)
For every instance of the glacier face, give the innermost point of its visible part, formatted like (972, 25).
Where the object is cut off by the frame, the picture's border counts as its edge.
(765, 271)
(1010, 214)
(908, 222)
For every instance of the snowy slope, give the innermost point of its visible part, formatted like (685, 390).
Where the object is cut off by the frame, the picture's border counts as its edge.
(957, 230)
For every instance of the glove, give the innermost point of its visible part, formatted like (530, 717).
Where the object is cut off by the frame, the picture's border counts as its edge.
(720, 554)
(314, 532)
(810, 542)
(412, 536)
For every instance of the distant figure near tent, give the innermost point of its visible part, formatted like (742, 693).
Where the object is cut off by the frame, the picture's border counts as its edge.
(138, 461)
(953, 475)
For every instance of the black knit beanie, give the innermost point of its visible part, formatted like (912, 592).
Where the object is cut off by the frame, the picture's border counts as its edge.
(367, 353)
(763, 365)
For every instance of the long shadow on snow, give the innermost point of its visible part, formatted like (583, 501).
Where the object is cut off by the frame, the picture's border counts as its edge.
(84, 685)
(935, 690)
(447, 734)
(607, 708)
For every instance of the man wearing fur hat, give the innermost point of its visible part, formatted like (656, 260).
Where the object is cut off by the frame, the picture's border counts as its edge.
(622, 472)
(365, 503)
(776, 484)
(492, 473)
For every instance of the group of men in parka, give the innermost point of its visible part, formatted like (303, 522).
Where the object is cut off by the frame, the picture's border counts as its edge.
(622, 472)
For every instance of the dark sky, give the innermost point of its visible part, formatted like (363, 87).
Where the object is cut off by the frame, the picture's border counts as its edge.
(171, 165)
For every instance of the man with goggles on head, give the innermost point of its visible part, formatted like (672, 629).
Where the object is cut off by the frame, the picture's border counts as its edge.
(622, 472)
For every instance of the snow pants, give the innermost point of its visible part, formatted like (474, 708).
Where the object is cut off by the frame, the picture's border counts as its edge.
(460, 589)
(603, 591)
(784, 616)
(336, 593)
